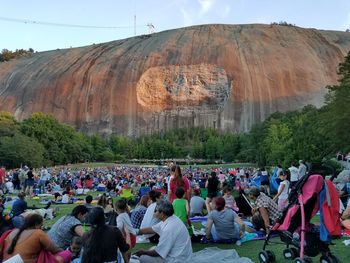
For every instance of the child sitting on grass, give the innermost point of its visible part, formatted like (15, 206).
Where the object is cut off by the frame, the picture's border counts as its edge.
(124, 222)
(229, 200)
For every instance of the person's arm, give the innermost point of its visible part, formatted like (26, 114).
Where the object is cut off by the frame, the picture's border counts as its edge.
(188, 208)
(239, 221)
(279, 192)
(47, 244)
(265, 216)
(208, 228)
(79, 230)
(346, 213)
(206, 183)
(146, 230)
(151, 253)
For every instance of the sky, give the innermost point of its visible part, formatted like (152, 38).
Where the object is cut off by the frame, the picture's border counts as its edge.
(51, 24)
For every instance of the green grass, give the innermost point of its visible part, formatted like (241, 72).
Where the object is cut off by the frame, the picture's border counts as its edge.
(249, 249)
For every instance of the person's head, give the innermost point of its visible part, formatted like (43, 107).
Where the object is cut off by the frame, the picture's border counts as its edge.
(176, 170)
(219, 203)
(102, 201)
(227, 190)
(121, 205)
(179, 192)
(283, 175)
(93, 244)
(80, 212)
(32, 221)
(213, 174)
(76, 244)
(97, 217)
(21, 195)
(110, 201)
(88, 199)
(254, 192)
(154, 196)
(144, 200)
(164, 209)
(196, 192)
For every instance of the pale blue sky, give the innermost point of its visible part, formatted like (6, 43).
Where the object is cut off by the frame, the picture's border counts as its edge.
(163, 14)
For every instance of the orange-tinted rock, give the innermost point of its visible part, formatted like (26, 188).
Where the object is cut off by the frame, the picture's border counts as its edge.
(223, 76)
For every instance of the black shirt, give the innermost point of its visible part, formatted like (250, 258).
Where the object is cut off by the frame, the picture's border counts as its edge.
(109, 240)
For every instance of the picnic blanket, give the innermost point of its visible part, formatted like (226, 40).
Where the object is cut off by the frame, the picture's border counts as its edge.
(213, 254)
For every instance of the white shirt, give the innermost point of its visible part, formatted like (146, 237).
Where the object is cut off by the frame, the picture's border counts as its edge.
(174, 243)
(123, 220)
(284, 194)
(294, 173)
(149, 219)
(302, 170)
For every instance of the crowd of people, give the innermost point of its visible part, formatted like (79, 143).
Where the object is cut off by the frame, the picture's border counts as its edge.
(166, 199)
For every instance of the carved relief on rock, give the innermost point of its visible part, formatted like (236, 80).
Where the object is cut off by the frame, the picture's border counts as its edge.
(185, 87)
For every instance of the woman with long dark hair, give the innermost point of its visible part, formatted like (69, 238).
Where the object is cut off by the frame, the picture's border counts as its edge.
(176, 181)
(212, 184)
(28, 241)
(101, 243)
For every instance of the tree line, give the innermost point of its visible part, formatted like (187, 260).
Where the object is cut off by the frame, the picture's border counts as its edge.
(7, 55)
(311, 134)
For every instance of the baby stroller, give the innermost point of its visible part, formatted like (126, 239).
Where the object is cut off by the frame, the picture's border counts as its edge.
(311, 194)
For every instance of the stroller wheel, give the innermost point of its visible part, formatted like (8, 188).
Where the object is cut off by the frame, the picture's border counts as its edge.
(290, 253)
(329, 259)
(300, 260)
(272, 257)
(264, 257)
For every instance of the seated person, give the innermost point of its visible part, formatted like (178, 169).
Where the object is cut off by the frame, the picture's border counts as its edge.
(197, 203)
(174, 242)
(345, 217)
(65, 198)
(229, 200)
(265, 213)
(223, 225)
(29, 241)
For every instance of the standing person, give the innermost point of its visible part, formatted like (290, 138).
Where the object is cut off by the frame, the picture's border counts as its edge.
(294, 175)
(2, 179)
(62, 232)
(212, 184)
(28, 241)
(102, 242)
(174, 243)
(29, 182)
(15, 180)
(282, 195)
(181, 206)
(178, 181)
(265, 180)
(302, 169)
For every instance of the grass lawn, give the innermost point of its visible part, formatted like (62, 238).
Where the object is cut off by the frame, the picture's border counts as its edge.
(249, 249)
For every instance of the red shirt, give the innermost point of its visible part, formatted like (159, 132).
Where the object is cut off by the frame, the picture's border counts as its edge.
(173, 187)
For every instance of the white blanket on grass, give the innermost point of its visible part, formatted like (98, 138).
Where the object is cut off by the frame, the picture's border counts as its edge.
(214, 254)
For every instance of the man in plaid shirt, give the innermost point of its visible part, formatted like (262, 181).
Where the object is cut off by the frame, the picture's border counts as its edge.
(265, 212)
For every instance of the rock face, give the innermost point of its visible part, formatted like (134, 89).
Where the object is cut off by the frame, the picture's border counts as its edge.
(223, 76)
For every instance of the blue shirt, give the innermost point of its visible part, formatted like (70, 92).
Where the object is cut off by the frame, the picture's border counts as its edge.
(19, 206)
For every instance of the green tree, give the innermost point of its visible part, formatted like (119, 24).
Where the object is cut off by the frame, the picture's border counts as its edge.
(20, 149)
